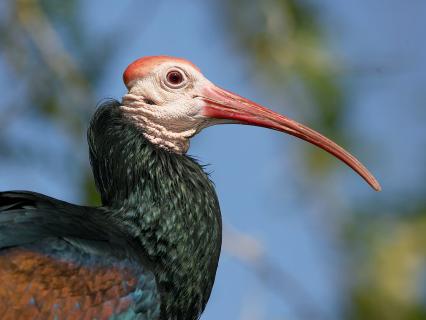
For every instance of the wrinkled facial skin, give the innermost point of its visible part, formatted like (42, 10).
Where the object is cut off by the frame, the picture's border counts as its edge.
(176, 103)
(169, 113)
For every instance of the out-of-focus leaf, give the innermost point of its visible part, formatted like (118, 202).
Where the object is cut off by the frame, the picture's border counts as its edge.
(389, 267)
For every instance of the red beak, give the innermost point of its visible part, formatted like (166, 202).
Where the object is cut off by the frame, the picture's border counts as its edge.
(225, 105)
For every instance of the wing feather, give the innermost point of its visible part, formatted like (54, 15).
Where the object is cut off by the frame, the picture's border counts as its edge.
(57, 261)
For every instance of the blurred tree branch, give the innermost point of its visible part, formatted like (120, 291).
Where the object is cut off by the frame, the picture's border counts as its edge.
(251, 254)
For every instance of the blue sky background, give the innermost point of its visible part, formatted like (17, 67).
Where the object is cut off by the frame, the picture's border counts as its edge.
(256, 171)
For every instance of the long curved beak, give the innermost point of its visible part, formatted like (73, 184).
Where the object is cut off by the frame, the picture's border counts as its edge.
(227, 107)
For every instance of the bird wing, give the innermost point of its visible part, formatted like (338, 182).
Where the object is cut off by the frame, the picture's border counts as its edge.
(57, 261)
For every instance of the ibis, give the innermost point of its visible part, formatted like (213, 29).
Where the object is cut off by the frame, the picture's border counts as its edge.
(151, 249)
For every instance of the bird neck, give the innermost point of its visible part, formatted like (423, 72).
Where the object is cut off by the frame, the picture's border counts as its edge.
(165, 201)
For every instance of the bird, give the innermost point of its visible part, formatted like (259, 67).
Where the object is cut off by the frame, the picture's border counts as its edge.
(150, 250)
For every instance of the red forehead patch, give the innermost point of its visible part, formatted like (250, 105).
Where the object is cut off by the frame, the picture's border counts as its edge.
(143, 66)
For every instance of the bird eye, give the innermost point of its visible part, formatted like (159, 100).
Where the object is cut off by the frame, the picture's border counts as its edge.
(174, 78)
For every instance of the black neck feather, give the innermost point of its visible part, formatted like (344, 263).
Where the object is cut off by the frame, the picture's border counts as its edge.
(166, 201)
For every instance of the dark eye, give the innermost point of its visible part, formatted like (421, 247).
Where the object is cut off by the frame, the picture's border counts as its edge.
(174, 78)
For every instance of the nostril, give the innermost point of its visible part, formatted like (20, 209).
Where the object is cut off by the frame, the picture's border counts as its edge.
(148, 101)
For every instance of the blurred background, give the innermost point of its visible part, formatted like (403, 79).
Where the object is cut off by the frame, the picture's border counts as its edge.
(305, 238)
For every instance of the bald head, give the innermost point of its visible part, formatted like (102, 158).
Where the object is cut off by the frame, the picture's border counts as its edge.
(142, 67)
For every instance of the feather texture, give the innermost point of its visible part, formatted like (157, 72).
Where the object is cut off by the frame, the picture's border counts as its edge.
(150, 252)
(50, 268)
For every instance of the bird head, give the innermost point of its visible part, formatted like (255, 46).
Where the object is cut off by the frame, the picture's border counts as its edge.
(171, 100)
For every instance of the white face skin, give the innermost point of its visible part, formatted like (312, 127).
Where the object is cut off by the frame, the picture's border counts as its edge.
(169, 113)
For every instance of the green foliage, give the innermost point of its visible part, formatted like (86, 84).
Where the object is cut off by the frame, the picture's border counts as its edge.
(389, 266)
